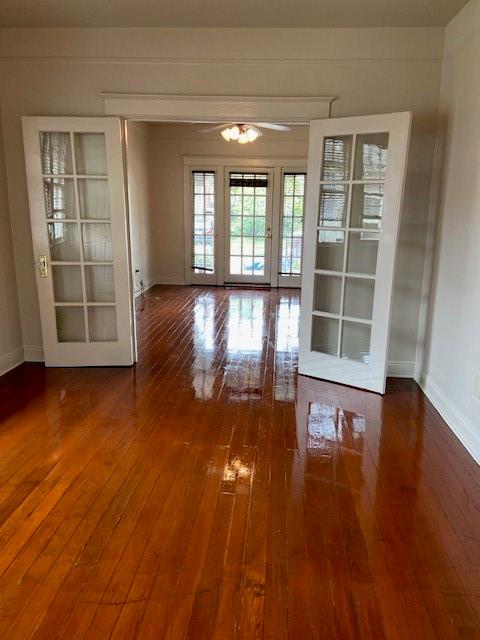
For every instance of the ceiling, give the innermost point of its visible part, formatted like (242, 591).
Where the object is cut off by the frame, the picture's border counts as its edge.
(226, 13)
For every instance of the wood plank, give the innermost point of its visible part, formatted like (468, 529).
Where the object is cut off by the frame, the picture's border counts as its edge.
(210, 492)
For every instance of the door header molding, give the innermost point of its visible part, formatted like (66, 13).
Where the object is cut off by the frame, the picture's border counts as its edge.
(202, 108)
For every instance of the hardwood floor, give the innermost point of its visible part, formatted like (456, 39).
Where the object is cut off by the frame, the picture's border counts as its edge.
(210, 493)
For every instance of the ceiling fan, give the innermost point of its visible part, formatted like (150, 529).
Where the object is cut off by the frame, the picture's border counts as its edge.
(246, 131)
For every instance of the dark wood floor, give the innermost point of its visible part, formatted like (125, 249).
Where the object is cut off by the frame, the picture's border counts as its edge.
(210, 493)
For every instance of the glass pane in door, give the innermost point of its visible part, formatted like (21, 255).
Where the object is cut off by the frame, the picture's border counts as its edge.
(70, 324)
(93, 199)
(79, 231)
(64, 241)
(59, 194)
(56, 152)
(67, 283)
(349, 222)
(91, 154)
(203, 214)
(248, 228)
(292, 224)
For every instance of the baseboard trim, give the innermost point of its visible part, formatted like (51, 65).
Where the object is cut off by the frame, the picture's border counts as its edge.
(461, 426)
(400, 369)
(33, 353)
(11, 360)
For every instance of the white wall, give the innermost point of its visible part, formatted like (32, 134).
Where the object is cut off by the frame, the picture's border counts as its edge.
(63, 71)
(11, 348)
(142, 227)
(450, 346)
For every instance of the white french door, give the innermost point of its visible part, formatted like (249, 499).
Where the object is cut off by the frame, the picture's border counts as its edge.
(356, 172)
(76, 188)
(248, 225)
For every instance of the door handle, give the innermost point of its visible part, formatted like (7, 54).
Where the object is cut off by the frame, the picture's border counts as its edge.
(43, 266)
(268, 233)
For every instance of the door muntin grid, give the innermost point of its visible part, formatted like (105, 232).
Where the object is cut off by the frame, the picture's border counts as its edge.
(348, 233)
(292, 222)
(203, 222)
(75, 185)
(248, 230)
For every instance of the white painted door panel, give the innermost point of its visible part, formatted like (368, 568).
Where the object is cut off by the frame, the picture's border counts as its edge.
(76, 188)
(356, 172)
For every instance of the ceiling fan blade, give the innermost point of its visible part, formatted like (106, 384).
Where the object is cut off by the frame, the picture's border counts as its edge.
(270, 125)
(216, 128)
(256, 129)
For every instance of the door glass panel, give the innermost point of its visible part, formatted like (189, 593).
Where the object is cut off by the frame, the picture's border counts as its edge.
(56, 152)
(235, 265)
(59, 194)
(91, 154)
(337, 152)
(325, 335)
(367, 206)
(203, 241)
(64, 241)
(359, 298)
(327, 293)
(371, 156)
(330, 250)
(362, 252)
(356, 341)
(70, 324)
(333, 205)
(67, 283)
(102, 324)
(93, 199)
(99, 283)
(292, 224)
(248, 197)
(97, 242)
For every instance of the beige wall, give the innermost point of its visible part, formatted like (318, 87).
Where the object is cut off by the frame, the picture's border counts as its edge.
(48, 72)
(11, 348)
(142, 226)
(450, 342)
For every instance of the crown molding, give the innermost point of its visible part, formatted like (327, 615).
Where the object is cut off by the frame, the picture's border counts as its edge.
(204, 108)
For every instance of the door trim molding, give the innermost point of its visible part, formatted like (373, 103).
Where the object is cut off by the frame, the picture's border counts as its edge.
(202, 108)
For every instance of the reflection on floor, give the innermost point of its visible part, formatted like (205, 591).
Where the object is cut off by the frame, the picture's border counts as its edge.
(210, 493)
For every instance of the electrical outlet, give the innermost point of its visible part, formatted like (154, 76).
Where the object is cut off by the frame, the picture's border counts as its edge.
(476, 386)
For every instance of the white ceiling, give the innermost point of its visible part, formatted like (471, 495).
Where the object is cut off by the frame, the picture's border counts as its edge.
(226, 13)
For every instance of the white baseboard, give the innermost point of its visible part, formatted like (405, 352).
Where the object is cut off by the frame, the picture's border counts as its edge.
(33, 353)
(400, 369)
(466, 431)
(11, 360)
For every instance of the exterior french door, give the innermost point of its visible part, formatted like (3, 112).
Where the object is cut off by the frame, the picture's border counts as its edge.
(248, 225)
(76, 188)
(356, 172)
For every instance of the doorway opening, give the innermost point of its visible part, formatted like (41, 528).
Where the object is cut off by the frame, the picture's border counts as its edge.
(213, 212)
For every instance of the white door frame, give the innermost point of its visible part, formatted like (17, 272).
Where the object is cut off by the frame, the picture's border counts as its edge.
(219, 165)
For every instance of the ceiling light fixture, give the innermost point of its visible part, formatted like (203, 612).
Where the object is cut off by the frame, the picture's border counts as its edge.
(241, 133)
